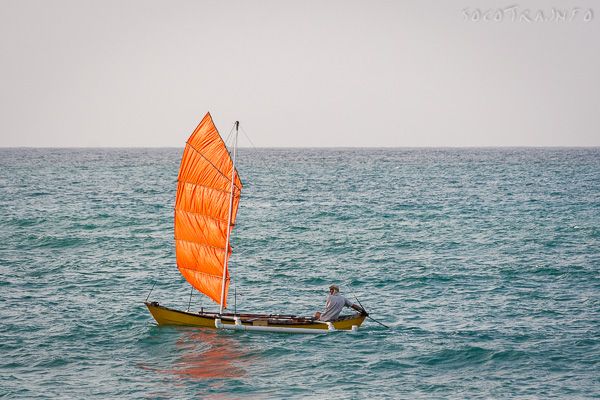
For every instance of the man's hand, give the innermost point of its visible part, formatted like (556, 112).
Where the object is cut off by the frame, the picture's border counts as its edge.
(361, 310)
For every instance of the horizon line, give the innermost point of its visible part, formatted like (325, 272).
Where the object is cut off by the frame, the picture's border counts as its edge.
(321, 147)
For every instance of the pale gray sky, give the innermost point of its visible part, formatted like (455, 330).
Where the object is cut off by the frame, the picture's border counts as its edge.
(299, 73)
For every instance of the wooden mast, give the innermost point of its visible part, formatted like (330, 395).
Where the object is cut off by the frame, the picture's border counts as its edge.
(225, 259)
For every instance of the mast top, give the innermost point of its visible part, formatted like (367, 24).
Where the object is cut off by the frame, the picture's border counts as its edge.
(237, 125)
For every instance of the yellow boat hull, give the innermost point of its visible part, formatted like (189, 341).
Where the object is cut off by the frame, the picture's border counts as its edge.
(257, 322)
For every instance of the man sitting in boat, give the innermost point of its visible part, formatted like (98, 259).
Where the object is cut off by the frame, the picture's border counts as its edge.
(335, 304)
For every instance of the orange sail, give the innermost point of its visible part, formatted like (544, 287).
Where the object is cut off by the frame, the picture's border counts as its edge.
(202, 210)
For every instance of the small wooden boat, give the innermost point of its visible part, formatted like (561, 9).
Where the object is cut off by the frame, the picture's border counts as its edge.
(208, 195)
(252, 322)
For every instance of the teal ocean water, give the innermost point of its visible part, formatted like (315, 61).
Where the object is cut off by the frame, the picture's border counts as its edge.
(485, 263)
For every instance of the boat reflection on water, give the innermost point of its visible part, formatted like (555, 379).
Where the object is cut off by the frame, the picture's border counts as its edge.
(209, 355)
(204, 355)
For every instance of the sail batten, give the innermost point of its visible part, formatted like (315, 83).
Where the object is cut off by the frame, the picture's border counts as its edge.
(236, 191)
(198, 199)
(216, 169)
(203, 206)
(224, 221)
(221, 249)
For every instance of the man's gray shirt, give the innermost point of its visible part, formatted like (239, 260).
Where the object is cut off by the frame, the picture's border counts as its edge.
(334, 306)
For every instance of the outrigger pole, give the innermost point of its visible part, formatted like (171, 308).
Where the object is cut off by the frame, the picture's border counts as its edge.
(225, 259)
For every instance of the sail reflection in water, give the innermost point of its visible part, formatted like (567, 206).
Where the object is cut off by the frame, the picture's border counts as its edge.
(205, 355)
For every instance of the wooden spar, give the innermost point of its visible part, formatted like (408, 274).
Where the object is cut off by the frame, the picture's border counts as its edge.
(225, 260)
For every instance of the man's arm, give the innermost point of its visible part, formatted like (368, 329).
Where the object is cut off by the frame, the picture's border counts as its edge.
(360, 309)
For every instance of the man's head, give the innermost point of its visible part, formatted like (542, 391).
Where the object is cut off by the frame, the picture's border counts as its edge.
(334, 289)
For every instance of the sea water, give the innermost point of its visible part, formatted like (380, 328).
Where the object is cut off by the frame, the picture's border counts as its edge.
(484, 263)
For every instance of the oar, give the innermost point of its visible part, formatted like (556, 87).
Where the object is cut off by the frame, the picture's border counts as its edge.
(374, 320)
(368, 316)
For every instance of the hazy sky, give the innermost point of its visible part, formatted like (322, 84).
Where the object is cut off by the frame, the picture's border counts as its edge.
(300, 73)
